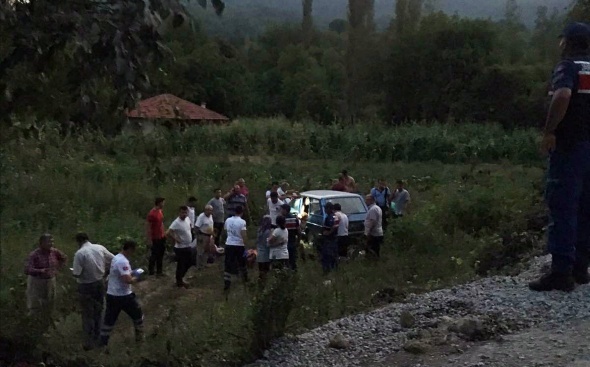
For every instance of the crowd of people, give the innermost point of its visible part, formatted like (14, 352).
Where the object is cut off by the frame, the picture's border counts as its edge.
(220, 230)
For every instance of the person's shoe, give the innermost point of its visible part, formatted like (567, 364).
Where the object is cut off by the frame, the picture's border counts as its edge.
(184, 285)
(582, 276)
(553, 282)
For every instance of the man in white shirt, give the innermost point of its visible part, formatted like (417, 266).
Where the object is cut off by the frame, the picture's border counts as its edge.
(275, 187)
(342, 235)
(401, 198)
(204, 228)
(91, 263)
(235, 248)
(274, 207)
(373, 227)
(191, 205)
(120, 296)
(181, 232)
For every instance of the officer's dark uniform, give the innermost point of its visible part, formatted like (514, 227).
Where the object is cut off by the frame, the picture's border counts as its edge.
(568, 179)
(292, 225)
(329, 246)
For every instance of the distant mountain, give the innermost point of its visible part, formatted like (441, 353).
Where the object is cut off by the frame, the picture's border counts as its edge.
(254, 15)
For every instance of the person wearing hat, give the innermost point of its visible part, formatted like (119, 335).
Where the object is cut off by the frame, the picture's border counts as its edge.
(566, 139)
(329, 246)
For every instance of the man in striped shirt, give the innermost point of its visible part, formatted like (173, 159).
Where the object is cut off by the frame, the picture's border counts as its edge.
(235, 199)
(42, 266)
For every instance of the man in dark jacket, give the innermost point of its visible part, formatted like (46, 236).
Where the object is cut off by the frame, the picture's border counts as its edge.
(566, 139)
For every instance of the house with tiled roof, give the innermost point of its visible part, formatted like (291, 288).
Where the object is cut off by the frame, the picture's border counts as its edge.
(172, 111)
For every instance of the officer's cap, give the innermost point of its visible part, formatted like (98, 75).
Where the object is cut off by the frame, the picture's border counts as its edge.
(576, 29)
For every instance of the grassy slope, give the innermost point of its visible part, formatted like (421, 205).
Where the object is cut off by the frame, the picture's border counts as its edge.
(99, 186)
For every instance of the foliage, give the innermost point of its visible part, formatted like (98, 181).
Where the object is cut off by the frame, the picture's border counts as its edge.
(104, 186)
(271, 309)
(100, 41)
(427, 65)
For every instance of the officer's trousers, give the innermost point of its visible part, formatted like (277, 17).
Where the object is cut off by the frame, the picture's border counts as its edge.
(568, 197)
(329, 254)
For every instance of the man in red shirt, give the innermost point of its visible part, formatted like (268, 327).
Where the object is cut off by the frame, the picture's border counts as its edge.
(42, 266)
(156, 237)
(338, 185)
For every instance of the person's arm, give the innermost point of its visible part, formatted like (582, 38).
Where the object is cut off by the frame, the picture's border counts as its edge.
(563, 83)
(108, 258)
(61, 258)
(369, 223)
(77, 272)
(244, 234)
(125, 271)
(272, 240)
(408, 202)
(198, 224)
(32, 269)
(171, 232)
(127, 278)
(148, 231)
(557, 110)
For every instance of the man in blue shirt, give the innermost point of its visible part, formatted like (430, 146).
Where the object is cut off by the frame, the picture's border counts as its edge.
(381, 194)
(566, 139)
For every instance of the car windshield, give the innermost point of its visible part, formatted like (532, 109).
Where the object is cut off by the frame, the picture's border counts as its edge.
(350, 205)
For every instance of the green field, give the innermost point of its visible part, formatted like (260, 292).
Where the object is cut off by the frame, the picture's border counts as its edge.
(476, 194)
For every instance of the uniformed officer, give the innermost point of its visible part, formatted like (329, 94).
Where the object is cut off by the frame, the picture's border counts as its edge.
(567, 141)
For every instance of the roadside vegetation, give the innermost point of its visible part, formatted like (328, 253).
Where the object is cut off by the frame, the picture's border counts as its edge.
(476, 210)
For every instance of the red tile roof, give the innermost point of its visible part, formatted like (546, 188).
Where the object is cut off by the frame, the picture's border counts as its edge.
(167, 106)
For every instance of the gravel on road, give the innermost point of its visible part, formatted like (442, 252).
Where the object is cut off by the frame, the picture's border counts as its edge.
(455, 318)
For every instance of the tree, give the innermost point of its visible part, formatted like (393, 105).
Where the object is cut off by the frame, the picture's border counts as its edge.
(512, 14)
(407, 15)
(359, 51)
(101, 38)
(338, 25)
(431, 6)
(307, 23)
(580, 10)
(543, 36)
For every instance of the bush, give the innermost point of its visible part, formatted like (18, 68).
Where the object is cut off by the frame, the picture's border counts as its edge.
(271, 308)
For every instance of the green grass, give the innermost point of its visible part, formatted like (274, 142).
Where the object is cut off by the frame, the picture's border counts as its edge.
(105, 186)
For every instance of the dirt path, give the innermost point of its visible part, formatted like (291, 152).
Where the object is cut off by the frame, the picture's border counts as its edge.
(552, 345)
(159, 299)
